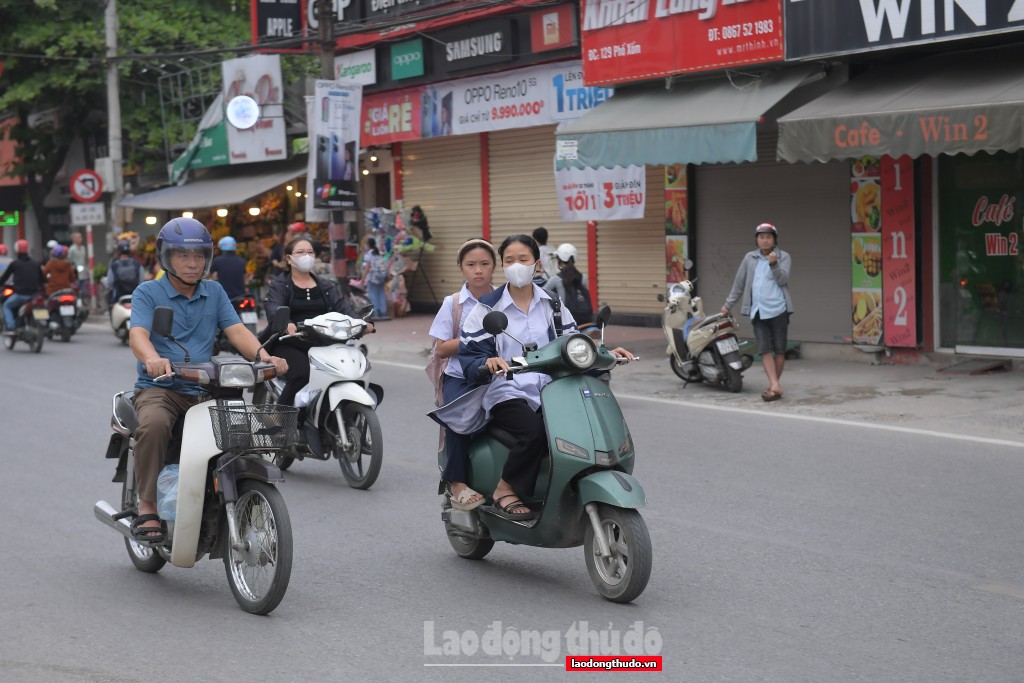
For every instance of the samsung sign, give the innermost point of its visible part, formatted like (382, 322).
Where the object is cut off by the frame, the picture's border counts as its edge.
(479, 44)
(824, 27)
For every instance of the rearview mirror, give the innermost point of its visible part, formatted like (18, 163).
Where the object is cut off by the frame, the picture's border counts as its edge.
(688, 264)
(163, 320)
(495, 322)
(365, 311)
(661, 298)
(282, 316)
(603, 315)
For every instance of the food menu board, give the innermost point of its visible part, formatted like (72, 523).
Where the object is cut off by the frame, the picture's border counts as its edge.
(676, 223)
(866, 250)
(884, 299)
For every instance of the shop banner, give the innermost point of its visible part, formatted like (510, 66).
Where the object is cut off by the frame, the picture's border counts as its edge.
(635, 41)
(356, 68)
(259, 77)
(271, 20)
(601, 194)
(534, 96)
(677, 216)
(817, 28)
(209, 146)
(899, 275)
(334, 138)
(866, 239)
(553, 28)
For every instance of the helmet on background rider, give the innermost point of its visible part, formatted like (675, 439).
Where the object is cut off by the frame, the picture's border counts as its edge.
(60, 251)
(566, 253)
(51, 244)
(227, 244)
(185, 234)
(124, 247)
(21, 247)
(769, 228)
(3, 249)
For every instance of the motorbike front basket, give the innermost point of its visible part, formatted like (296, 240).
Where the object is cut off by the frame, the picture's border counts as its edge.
(254, 428)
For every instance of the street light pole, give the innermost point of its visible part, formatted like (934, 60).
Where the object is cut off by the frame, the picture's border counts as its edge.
(114, 116)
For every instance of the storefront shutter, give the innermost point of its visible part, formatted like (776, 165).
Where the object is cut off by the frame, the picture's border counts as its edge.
(810, 206)
(523, 195)
(442, 176)
(631, 255)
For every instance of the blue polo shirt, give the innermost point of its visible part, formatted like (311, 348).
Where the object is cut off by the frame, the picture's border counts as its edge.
(196, 322)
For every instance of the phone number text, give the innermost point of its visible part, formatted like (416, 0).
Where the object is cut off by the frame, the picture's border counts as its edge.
(744, 30)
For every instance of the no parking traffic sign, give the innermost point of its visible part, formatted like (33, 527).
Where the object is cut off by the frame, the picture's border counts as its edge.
(86, 186)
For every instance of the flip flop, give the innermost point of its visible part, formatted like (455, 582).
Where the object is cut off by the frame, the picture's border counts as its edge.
(461, 501)
(769, 396)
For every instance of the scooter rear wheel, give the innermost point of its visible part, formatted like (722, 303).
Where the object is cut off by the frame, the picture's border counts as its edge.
(37, 341)
(623, 576)
(145, 559)
(259, 574)
(470, 548)
(733, 380)
(9, 341)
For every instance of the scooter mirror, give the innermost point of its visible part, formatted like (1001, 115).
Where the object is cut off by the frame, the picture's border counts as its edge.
(604, 314)
(163, 321)
(688, 264)
(282, 316)
(495, 322)
(365, 311)
(661, 298)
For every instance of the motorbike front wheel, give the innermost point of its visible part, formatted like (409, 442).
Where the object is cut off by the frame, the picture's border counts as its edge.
(623, 576)
(259, 574)
(361, 461)
(145, 559)
(680, 373)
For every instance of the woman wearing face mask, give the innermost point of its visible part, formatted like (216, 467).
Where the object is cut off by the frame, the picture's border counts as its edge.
(514, 404)
(476, 260)
(307, 295)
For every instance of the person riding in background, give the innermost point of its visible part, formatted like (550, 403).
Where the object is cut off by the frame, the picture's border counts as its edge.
(27, 280)
(229, 268)
(514, 404)
(201, 307)
(307, 295)
(59, 271)
(124, 274)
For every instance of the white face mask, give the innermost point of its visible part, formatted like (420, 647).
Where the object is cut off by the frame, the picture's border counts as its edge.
(519, 274)
(304, 262)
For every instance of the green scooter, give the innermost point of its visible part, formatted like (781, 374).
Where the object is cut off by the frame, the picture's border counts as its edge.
(585, 493)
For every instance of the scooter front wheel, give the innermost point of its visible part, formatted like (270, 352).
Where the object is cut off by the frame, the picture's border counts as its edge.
(144, 558)
(259, 573)
(678, 369)
(623, 576)
(361, 461)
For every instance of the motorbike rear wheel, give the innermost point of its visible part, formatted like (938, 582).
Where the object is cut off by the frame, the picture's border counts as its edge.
(259, 574)
(9, 341)
(65, 334)
(37, 341)
(732, 379)
(623, 576)
(469, 548)
(145, 559)
(361, 461)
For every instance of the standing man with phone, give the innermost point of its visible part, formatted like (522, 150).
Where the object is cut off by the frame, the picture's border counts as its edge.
(763, 281)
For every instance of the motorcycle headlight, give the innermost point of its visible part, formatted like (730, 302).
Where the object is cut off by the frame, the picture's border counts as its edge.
(580, 352)
(236, 375)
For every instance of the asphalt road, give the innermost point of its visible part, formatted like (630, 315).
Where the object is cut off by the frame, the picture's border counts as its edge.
(784, 550)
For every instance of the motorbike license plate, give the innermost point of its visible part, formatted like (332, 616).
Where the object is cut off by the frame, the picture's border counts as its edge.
(249, 317)
(40, 314)
(728, 345)
(67, 310)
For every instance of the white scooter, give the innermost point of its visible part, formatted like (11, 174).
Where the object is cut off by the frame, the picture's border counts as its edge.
(121, 317)
(227, 505)
(340, 419)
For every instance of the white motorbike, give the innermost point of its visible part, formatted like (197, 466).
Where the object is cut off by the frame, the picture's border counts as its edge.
(340, 419)
(702, 348)
(121, 317)
(226, 505)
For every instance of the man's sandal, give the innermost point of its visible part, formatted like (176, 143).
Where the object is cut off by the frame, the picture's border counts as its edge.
(516, 511)
(148, 534)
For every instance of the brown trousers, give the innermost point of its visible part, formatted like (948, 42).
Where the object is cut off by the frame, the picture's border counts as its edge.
(158, 409)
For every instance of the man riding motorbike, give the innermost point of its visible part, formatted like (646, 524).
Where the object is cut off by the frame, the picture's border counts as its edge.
(184, 250)
(27, 279)
(229, 268)
(124, 273)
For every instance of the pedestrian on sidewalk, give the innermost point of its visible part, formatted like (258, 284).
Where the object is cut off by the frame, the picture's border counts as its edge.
(763, 281)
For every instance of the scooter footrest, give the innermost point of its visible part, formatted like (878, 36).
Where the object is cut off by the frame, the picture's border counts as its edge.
(122, 514)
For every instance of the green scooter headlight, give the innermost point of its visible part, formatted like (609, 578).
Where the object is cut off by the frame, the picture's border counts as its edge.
(580, 352)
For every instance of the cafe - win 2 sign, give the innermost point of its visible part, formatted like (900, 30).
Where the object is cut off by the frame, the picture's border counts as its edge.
(626, 40)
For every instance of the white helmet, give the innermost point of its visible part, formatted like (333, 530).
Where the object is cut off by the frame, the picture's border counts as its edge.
(51, 244)
(566, 252)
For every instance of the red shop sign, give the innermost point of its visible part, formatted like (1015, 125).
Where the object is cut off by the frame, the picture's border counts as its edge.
(625, 40)
(392, 117)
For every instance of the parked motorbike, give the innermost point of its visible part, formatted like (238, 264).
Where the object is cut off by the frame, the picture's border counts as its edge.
(585, 494)
(121, 317)
(227, 505)
(245, 307)
(32, 321)
(702, 348)
(65, 311)
(340, 401)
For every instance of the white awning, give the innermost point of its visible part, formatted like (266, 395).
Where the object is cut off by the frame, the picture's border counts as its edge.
(221, 186)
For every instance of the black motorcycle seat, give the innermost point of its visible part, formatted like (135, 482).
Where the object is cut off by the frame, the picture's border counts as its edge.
(501, 436)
